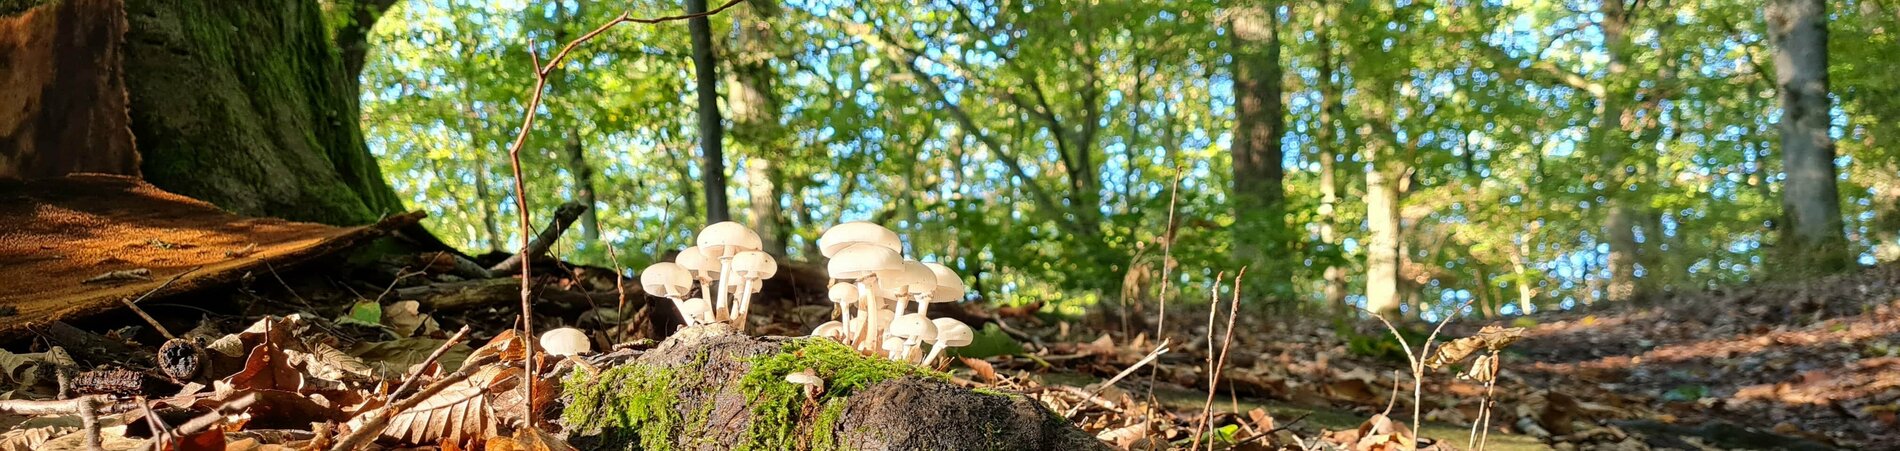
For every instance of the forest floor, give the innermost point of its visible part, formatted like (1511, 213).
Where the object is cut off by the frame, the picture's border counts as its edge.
(1808, 365)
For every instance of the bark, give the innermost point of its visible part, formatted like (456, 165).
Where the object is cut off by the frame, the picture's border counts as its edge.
(1813, 237)
(1620, 218)
(1330, 104)
(248, 106)
(1258, 185)
(711, 130)
(1382, 224)
(755, 121)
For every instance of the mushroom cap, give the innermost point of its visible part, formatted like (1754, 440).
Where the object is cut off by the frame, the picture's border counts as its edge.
(804, 378)
(698, 264)
(666, 279)
(694, 307)
(734, 284)
(841, 236)
(843, 293)
(893, 344)
(724, 239)
(953, 333)
(830, 329)
(566, 341)
(914, 327)
(755, 265)
(949, 288)
(862, 260)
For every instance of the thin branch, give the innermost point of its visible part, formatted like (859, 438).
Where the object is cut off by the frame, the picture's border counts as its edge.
(379, 419)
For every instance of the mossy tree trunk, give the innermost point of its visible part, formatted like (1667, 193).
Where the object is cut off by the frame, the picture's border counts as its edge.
(247, 105)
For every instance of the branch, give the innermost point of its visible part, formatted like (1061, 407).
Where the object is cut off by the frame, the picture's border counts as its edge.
(563, 217)
(379, 419)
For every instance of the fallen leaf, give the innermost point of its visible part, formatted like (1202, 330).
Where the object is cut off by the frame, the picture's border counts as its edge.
(528, 439)
(984, 370)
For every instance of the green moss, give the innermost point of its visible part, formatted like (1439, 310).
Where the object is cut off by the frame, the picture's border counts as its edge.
(625, 402)
(777, 405)
(822, 439)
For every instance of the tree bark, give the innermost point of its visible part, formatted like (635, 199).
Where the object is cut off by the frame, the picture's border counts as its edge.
(711, 130)
(248, 106)
(1382, 224)
(1258, 185)
(1813, 237)
(1324, 137)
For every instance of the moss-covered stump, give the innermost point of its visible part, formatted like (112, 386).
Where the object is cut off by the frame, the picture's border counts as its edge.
(710, 388)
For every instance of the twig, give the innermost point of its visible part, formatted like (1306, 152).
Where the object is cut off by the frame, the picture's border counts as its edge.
(529, 113)
(564, 217)
(1152, 355)
(1418, 367)
(206, 421)
(133, 303)
(1167, 255)
(433, 356)
(85, 406)
(379, 419)
(1227, 343)
(620, 291)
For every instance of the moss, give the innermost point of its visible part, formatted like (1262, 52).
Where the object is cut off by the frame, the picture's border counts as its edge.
(625, 402)
(822, 438)
(777, 405)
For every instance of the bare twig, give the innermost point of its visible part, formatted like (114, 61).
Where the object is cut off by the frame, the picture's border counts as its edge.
(564, 217)
(379, 419)
(1152, 355)
(1418, 367)
(206, 421)
(133, 303)
(529, 114)
(87, 407)
(620, 292)
(433, 356)
(1227, 342)
(1167, 270)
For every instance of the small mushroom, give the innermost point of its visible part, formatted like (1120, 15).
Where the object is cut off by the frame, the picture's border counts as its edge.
(914, 329)
(845, 295)
(671, 281)
(566, 341)
(810, 380)
(830, 329)
(697, 310)
(753, 267)
(902, 284)
(703, 268)
(724, 240)
(950, 334)
(860, 264)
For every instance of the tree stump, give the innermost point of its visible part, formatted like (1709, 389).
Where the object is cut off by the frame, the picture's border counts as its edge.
(709, 387)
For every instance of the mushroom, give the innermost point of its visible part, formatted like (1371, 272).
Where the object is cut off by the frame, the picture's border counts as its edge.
(752, 267)
(841, 236)
(950, 334)
(830, 329)
(902, 283)
(844, 294)
(671, 281)
(809, 379)
(702, 268)
(893, 346)
(949, 287)
(696, 310)
(566, 341)
(724, 240)
(859, 264)
(914, 329)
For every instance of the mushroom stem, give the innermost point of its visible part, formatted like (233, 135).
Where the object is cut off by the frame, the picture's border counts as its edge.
(739, 311)
(844, 310)
(724, 299)
(869, 333)
(679, 305)
(901, 304)
(936, 347)
(923, 304)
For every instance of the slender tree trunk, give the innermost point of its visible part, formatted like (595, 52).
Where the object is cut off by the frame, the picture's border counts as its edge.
(755, 117)
(583, 185)
(1813, 237)
(711, 130)
(1259, 191)
(1610, 141)
(487, 202)
(352, 34)
(1384, 236)
(1330, 104)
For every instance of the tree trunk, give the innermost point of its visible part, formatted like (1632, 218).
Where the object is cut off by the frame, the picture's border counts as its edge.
(583, 186)
(1382, 224)
(1610, 140)
(352, 35)
(755, 119)
(1259, 193)
(247, 105)
(1330, 104)
(711, 131)
(1809, 199)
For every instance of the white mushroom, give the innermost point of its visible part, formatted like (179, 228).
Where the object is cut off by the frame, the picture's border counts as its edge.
(703, 268)
(671, 281)
(844, 235)
(566, 341)
(752, 267)
(949, 287)
(900, 284)
(845, 295)
(830, 329)
(950, 334)
(857, 264)
(915, 329)
(723, 241)
(697, 309)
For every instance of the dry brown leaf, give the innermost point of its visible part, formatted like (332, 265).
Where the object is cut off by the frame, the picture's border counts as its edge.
(1491, 337)
(528, 439)
(460, 414)
(984, 370)
(405, 318)
(394, 359)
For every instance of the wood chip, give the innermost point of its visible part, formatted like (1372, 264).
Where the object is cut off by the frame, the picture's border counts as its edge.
(122, 276)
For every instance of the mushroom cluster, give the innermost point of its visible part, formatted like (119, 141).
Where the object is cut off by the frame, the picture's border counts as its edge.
(728, 268)
(874, 287)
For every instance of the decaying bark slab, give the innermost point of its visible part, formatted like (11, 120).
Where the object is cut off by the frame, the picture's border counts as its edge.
(700, 390)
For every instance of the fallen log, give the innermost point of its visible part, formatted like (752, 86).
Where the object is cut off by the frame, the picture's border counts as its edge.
(709, 387)
(563, 217)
